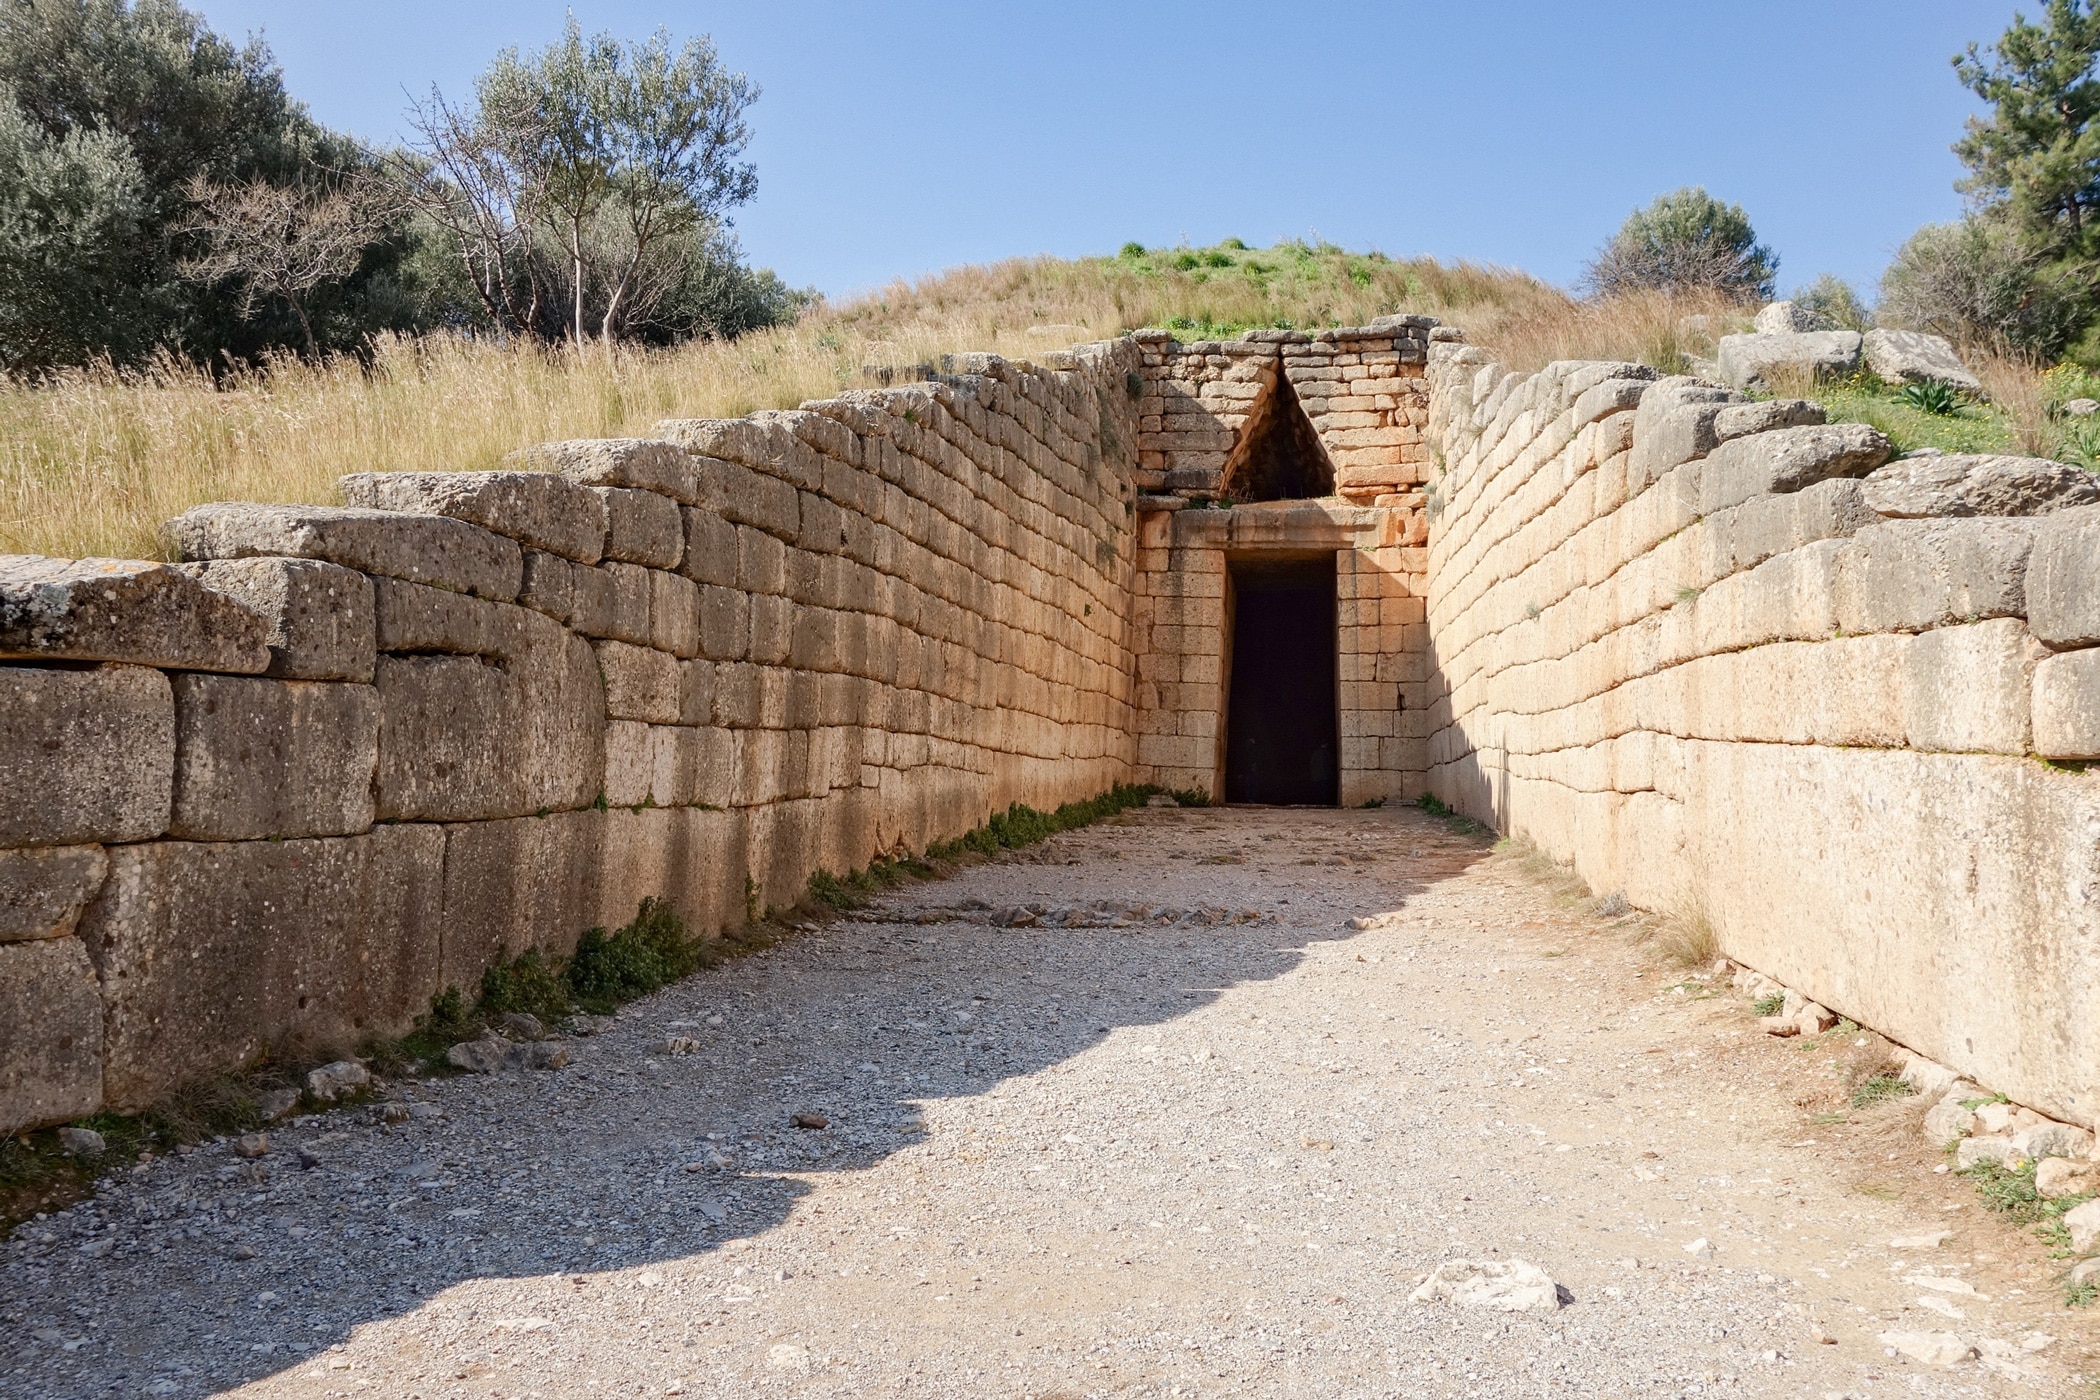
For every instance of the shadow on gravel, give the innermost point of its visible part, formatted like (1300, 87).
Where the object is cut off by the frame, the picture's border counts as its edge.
(634, 1156)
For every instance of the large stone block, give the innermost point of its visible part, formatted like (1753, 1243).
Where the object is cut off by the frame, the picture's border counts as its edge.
(429, 549)
(695, 859)
(1787, 460)
(51, 1056)
(641, 464)
(262, 758)
(1748, 361)
(516, 886)
(641, 683)
(85, 755)
(710, 548)
(1976, 484)
(642, 527)
(1674, 424)
(612, 601)
(123, 610)
(2063, 586)
(211, 952)
(318, 615)
(1910, 575)
(1969, 689)
(534, 508)
(2067, 705)
(44, 888)
(674, 613)
(1913, 357)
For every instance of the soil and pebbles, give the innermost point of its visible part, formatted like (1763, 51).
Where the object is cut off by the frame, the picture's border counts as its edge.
(1135, 1113)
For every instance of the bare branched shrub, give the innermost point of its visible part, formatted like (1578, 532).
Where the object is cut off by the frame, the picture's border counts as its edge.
(284, 242)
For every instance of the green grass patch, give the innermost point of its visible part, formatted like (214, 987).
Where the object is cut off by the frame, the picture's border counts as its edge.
(1880, 1089)
(1770, 1005)
(1962, 426)
(1022, 825)
(2009, 1192)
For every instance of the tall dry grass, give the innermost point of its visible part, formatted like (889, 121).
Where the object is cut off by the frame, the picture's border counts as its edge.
(92, 461)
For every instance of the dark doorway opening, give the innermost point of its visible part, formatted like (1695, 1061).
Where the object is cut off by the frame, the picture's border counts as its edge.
(1280, 457)
(1282, 723)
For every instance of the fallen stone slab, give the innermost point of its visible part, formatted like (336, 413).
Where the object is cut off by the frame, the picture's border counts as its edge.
(538, 509)
(1746, 361)
(1493, 1284)
(431, 549)
(1976, 484)
(124, 610)
(1932, 1348)
(1913, 357)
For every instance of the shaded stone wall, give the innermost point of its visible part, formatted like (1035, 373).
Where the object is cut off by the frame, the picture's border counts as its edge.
(1704, 650)
(345, 757)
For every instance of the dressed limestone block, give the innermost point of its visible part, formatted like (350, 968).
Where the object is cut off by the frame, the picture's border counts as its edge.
(44, 888)
(641, 683)
(642, 527)
(318, 615)
(1913, 357)
(85, 755)
(1977, 484)
(1764, 526)
(1970, 689)
(674, 611)
(1744, 419)
(612, 601)
(210, 952)
(725, 623)
(2067, 705)
(1674, 423)
(641, 464)
(510, 887)
(261, 758)
(537, 509)
(710, 548)
(2063, 587)
(51, 1056)
(1746, 361)
(1911, 575)
(746, 496)
(123, 610)
(511, 725)
(431, 549)
(1787, 460)
(695, 859)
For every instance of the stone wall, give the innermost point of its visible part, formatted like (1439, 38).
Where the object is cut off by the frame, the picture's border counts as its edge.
(1724, 660)
(342, 758)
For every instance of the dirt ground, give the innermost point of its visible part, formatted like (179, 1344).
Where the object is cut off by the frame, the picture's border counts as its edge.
(1136, 1112)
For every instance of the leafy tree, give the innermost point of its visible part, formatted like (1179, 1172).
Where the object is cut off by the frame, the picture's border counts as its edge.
(2036, 157)
(620, 155)
(1685, 241)
(1973, 282)
(69, 208)
(1832, 298)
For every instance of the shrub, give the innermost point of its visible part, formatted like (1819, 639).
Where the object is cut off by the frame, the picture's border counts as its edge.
(1934, 396)
(1833, 298)
(1970, 281)
(1685, 241)
(651, 952)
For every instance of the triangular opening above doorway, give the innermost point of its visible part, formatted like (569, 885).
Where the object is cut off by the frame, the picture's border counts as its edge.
(1279, 456)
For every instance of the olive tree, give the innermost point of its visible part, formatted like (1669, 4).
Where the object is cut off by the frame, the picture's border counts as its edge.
(1685, 241)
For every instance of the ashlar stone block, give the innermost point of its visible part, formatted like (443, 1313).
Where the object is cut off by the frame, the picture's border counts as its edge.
(2067, 705)
(123, 610)
(1911, 575)
(537, 509)
(85, 755)
(261, 758)
(641, 464)
(319, 615)
(1969, 689)
(44, 888)
(429, 549)
(2063, 587)
(642, 527)
(51, 1056)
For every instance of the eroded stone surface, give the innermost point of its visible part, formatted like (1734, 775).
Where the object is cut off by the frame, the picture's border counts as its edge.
(237, 741)
(538, 509)
(85, 755)
(52, 1068)
(319, 614)
(431, 549)
(1977, 484)
(123, 610)
(639, 463)
(44, 888)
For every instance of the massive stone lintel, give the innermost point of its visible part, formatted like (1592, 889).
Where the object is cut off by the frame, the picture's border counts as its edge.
(537, 509)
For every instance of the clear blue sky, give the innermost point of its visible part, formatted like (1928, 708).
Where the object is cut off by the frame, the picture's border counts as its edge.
(898, 138)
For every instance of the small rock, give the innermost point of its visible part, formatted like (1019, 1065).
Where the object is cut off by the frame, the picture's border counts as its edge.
(810, 1120)
(1160, 799)
(391, 1113)
(244, 1251)
(1982, 1149)
(786, 1356)
(81, 1142)
(714, 1021)
(2050, 1140)
(1932, 1348)
(678, 1045)
(273, 1104)
(1512, 1286)
(483, 1056)
(251, 1145)
(424, 1112)
(2081, 408)
(523, 1025)
(2085, 1271)
(1814, 1019)
(330, 1081)
(2084, 1224)
(1993, 1119)
(1701, 1248)
(308, 1159)
(544, 1054)
(1950, 1118)
(582, 1024)
(1931, 1239)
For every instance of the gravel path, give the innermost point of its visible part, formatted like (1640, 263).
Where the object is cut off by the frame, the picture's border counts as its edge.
(1204, 1157)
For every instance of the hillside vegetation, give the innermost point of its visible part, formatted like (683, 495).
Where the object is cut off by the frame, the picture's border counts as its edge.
(93, 460)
